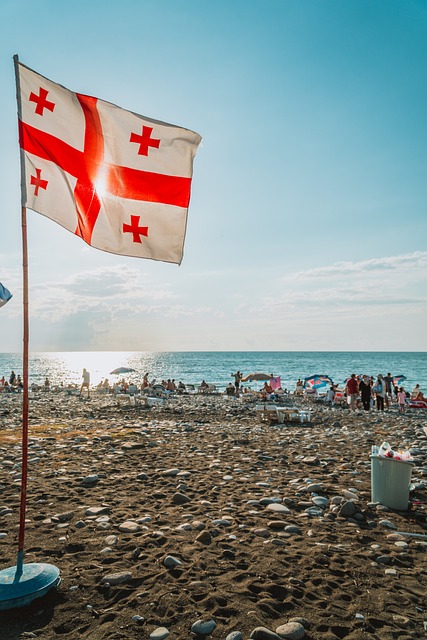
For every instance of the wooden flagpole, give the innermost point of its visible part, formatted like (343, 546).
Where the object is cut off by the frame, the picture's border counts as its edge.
(22, 583)
(25, 401)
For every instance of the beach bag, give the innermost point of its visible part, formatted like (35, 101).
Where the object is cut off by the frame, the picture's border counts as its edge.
(377, 388)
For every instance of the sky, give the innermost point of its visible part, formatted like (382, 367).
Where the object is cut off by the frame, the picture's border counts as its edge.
(307, 225)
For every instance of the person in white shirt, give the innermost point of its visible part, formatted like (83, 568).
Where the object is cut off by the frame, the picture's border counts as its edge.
(85, 383)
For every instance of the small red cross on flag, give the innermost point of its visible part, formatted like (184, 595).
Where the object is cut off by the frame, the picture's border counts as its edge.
(118, 180)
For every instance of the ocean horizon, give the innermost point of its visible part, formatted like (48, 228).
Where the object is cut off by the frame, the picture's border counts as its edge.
(216, 367)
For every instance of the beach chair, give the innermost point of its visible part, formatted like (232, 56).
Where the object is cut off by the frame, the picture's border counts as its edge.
(267, 412)
(132, 390)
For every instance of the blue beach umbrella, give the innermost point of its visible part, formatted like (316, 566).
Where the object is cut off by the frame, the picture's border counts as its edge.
(317, 381)
(5, 295)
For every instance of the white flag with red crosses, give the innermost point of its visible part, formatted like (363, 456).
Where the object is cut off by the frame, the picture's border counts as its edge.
(118, 180)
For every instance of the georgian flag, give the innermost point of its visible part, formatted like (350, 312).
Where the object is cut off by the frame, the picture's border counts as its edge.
(118, 180)
(5, 295)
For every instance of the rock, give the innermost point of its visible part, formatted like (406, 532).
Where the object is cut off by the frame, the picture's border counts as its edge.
(170, 562)
(276, 524)
(159, 634)
(116, 578)
(97, 511)
(347, 510)
(278, 508)
(291, 631)
(305, 623)
(204, 537)
(90, 481)
(234, 635)
(262, 633)
(129, 527)
(203, 628)
(293, 528)
(64, 517)
(180, 498)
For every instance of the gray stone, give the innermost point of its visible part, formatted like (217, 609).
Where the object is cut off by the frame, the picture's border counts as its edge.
(347, 510)
(129, 527)
(64, 517)
(116, 578)
(203, 627)
(180, 498)
(293, 528)
(305, 623)
(278, 508)
(90, 481)
(291, 631)
(234, 635)
(170, 562)
(159, 634)
(262, 633)
(320, 501)
(97, 511)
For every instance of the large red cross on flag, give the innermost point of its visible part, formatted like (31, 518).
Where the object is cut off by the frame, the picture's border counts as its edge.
(118, 180)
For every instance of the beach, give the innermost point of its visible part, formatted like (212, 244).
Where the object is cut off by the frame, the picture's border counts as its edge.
(197, 518)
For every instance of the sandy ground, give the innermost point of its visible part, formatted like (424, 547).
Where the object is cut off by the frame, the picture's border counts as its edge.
(198, 511)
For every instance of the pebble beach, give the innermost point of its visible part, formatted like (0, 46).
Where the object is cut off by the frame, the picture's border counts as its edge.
(195, 518)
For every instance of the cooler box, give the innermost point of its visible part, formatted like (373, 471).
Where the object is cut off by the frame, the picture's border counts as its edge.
(390, 480)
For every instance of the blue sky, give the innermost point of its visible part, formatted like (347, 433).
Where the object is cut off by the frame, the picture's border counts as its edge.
(307, 224)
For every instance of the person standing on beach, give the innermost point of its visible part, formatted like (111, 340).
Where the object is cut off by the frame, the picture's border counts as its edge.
(352, 389)
(379, 390)
(388, 390)
(401, 398)
(85, 383)
(237, 379)
(365, 392)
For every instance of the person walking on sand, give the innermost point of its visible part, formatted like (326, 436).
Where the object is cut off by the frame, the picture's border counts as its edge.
(85, 383)
(352, 389)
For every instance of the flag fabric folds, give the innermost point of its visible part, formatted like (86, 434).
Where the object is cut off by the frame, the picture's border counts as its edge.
(117, 179)
(5, 295)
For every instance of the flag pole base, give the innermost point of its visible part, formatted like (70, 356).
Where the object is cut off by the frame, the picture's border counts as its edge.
(23, 583)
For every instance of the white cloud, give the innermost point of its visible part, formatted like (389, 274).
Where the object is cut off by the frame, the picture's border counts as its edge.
(416, 261)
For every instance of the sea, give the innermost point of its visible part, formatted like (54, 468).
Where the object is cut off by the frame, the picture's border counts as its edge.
(216, 367)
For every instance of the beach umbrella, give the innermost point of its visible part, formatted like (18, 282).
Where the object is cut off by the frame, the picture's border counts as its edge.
(256, 376)
(5, 295)
(120, 370)
(317, 380)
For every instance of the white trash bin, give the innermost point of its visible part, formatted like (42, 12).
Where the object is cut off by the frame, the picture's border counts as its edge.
(390, 480)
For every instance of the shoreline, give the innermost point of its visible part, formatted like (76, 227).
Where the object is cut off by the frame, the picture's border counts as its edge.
(204, 512)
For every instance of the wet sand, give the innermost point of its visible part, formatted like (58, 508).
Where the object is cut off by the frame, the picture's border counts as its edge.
(198, 519)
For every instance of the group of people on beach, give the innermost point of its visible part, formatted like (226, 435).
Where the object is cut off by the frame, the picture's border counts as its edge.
(383, 391)
(13, 384)
(360, 391)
